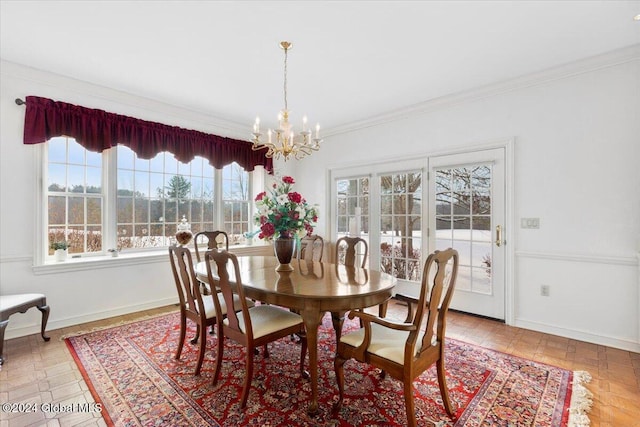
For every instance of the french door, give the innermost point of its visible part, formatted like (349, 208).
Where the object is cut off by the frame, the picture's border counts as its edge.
(467, 212)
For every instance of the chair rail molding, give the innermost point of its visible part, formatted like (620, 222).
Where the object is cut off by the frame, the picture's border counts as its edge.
(630, 260)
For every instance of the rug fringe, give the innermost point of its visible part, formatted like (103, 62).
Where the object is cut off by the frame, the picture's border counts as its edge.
(581, 400)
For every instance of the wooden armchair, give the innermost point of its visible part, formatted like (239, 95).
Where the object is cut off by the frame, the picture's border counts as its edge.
(404, 350)
(252, 326)
(209, 240)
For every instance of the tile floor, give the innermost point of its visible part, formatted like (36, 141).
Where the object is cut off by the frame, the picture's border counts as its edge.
(36, 372)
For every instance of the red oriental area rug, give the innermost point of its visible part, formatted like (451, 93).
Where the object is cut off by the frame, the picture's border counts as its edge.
(130, 369)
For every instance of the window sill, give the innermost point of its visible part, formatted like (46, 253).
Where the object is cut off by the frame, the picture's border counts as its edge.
(132, 258)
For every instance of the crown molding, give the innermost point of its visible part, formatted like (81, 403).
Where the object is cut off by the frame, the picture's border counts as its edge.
(609, 59)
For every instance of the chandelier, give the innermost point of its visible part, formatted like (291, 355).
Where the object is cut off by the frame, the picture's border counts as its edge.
(283, 142)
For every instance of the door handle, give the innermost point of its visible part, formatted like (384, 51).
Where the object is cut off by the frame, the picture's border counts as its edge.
(499, 241)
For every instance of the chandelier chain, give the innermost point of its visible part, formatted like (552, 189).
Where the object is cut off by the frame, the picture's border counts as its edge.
(286, 51)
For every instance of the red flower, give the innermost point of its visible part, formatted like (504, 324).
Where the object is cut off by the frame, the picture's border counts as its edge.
(309, 228)
(295, 197)
(267, 229)
(288, 180)
(261, 196)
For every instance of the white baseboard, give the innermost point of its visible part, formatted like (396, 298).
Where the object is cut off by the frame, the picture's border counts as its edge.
(579, 335)
(76, 320)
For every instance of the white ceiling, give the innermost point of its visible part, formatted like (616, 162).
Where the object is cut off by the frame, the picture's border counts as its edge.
(351, 60)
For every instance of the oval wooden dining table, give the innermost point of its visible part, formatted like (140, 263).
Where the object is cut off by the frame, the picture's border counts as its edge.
(312, 289)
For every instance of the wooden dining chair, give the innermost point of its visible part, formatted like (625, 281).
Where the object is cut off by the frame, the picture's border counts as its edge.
(207, 240)
(311, 248)
(403, 349)
(346, 251)
(251, 327)
(198, 308)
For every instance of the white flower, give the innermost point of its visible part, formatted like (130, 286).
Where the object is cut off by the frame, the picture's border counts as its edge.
(264, 210)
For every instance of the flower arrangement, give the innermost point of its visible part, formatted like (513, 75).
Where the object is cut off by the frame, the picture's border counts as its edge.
(282, 212)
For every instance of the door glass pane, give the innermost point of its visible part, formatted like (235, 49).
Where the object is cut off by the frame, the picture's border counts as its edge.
(463, 200)
(400, 227)
(352, 208)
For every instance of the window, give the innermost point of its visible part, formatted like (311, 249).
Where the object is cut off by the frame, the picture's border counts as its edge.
(74, 196)
(148, 199)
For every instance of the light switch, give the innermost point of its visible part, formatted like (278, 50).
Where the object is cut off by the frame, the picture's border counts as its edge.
(529, 222)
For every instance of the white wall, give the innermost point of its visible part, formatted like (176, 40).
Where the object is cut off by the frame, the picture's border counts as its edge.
(577, 168)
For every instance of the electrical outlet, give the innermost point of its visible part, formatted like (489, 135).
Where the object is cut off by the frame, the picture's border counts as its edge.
(544, 290)
(529, 222)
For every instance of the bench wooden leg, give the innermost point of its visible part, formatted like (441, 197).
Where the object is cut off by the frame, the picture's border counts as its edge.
(3, 326)
(45, 316)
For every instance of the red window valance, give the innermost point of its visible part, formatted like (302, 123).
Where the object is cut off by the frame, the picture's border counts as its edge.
(98, 130)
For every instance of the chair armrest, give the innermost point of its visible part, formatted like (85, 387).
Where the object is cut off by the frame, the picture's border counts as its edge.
(367, 319)
(406, 298)
(410, 300)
